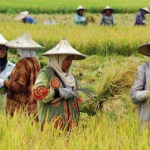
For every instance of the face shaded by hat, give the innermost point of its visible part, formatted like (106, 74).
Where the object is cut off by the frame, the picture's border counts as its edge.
(145, 10)
(62, 53)
(64, 48)
(108, 8)
(80, 8)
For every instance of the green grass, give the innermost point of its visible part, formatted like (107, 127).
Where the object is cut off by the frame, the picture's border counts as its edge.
(67, 6)
(89, 40)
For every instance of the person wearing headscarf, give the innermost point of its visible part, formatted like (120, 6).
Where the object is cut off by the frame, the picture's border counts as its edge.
(140, 92)
(6, 68)
(54, 88)
(22, 78)
(25, 17)
(140, 17)
(107, 17)
(80, 17)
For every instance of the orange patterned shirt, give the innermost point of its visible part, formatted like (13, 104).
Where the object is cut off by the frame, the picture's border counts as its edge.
(20, 86)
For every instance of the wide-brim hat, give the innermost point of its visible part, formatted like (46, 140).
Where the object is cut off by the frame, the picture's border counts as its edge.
(49, 22)
(145, 9)
(21, 15)
(80, 8)
(25, 41)
(2, 40)
(144, 49)
(108, 8)
(64, 48)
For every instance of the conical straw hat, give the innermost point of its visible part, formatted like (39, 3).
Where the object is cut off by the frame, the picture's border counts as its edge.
(2, 40)
(21, 15)
(80, 8)
(145, 9)
(144, 49)
(64, 48)
(108, 8)
(49, 22)
(24, 42)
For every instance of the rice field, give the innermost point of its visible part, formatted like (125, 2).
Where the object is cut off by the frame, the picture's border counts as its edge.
(67, 6)
(117, 127)
(110, 120)
(91, 39)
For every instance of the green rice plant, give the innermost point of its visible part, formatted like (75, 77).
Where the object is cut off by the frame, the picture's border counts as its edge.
(95, 133)
(66, 6)
(90, 40)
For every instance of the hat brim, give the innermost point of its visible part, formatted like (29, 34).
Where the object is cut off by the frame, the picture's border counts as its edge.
(148, 12)
(144, 49)
(25, 48)
(80, 9)
(111, 9)
(77, 57)
(20, 17)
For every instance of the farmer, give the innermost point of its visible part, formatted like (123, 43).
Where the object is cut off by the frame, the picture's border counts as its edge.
(140, 17)
(24, 16)
(107, 17)
(80, 17)
(23, 76)
(6, 68)
(140, 90)
(54, 88)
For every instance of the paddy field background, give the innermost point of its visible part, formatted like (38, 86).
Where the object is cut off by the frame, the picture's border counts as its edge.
(109, 72)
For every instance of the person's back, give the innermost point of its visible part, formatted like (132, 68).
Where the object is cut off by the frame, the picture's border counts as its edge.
(20, 86)
(140, 19)
(30, 20)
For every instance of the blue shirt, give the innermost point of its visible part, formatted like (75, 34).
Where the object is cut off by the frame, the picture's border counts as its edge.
(30, 20)
(140, 19)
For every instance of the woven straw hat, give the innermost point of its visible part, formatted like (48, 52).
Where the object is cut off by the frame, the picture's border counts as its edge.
(24, 42)
(64, 48)
(80, 8)
(144, 49)
(2, 40)
(108, 8)
(145, 9)
(49, 22)
(21, 15)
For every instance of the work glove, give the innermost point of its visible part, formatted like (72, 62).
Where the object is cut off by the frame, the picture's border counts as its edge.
(142, 95)
(1, 83)
(66, 93)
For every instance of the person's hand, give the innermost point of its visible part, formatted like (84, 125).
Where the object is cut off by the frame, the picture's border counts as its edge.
(142, 95)
(66, 93)
(1, 83)
(144, 21)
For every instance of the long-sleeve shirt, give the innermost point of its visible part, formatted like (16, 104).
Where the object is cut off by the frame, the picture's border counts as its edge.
(107, 20)
(65, 112)
(30, 20)
(5, 75)
(79, 19)
(22, 79)
(140, 19)
(141, 84)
